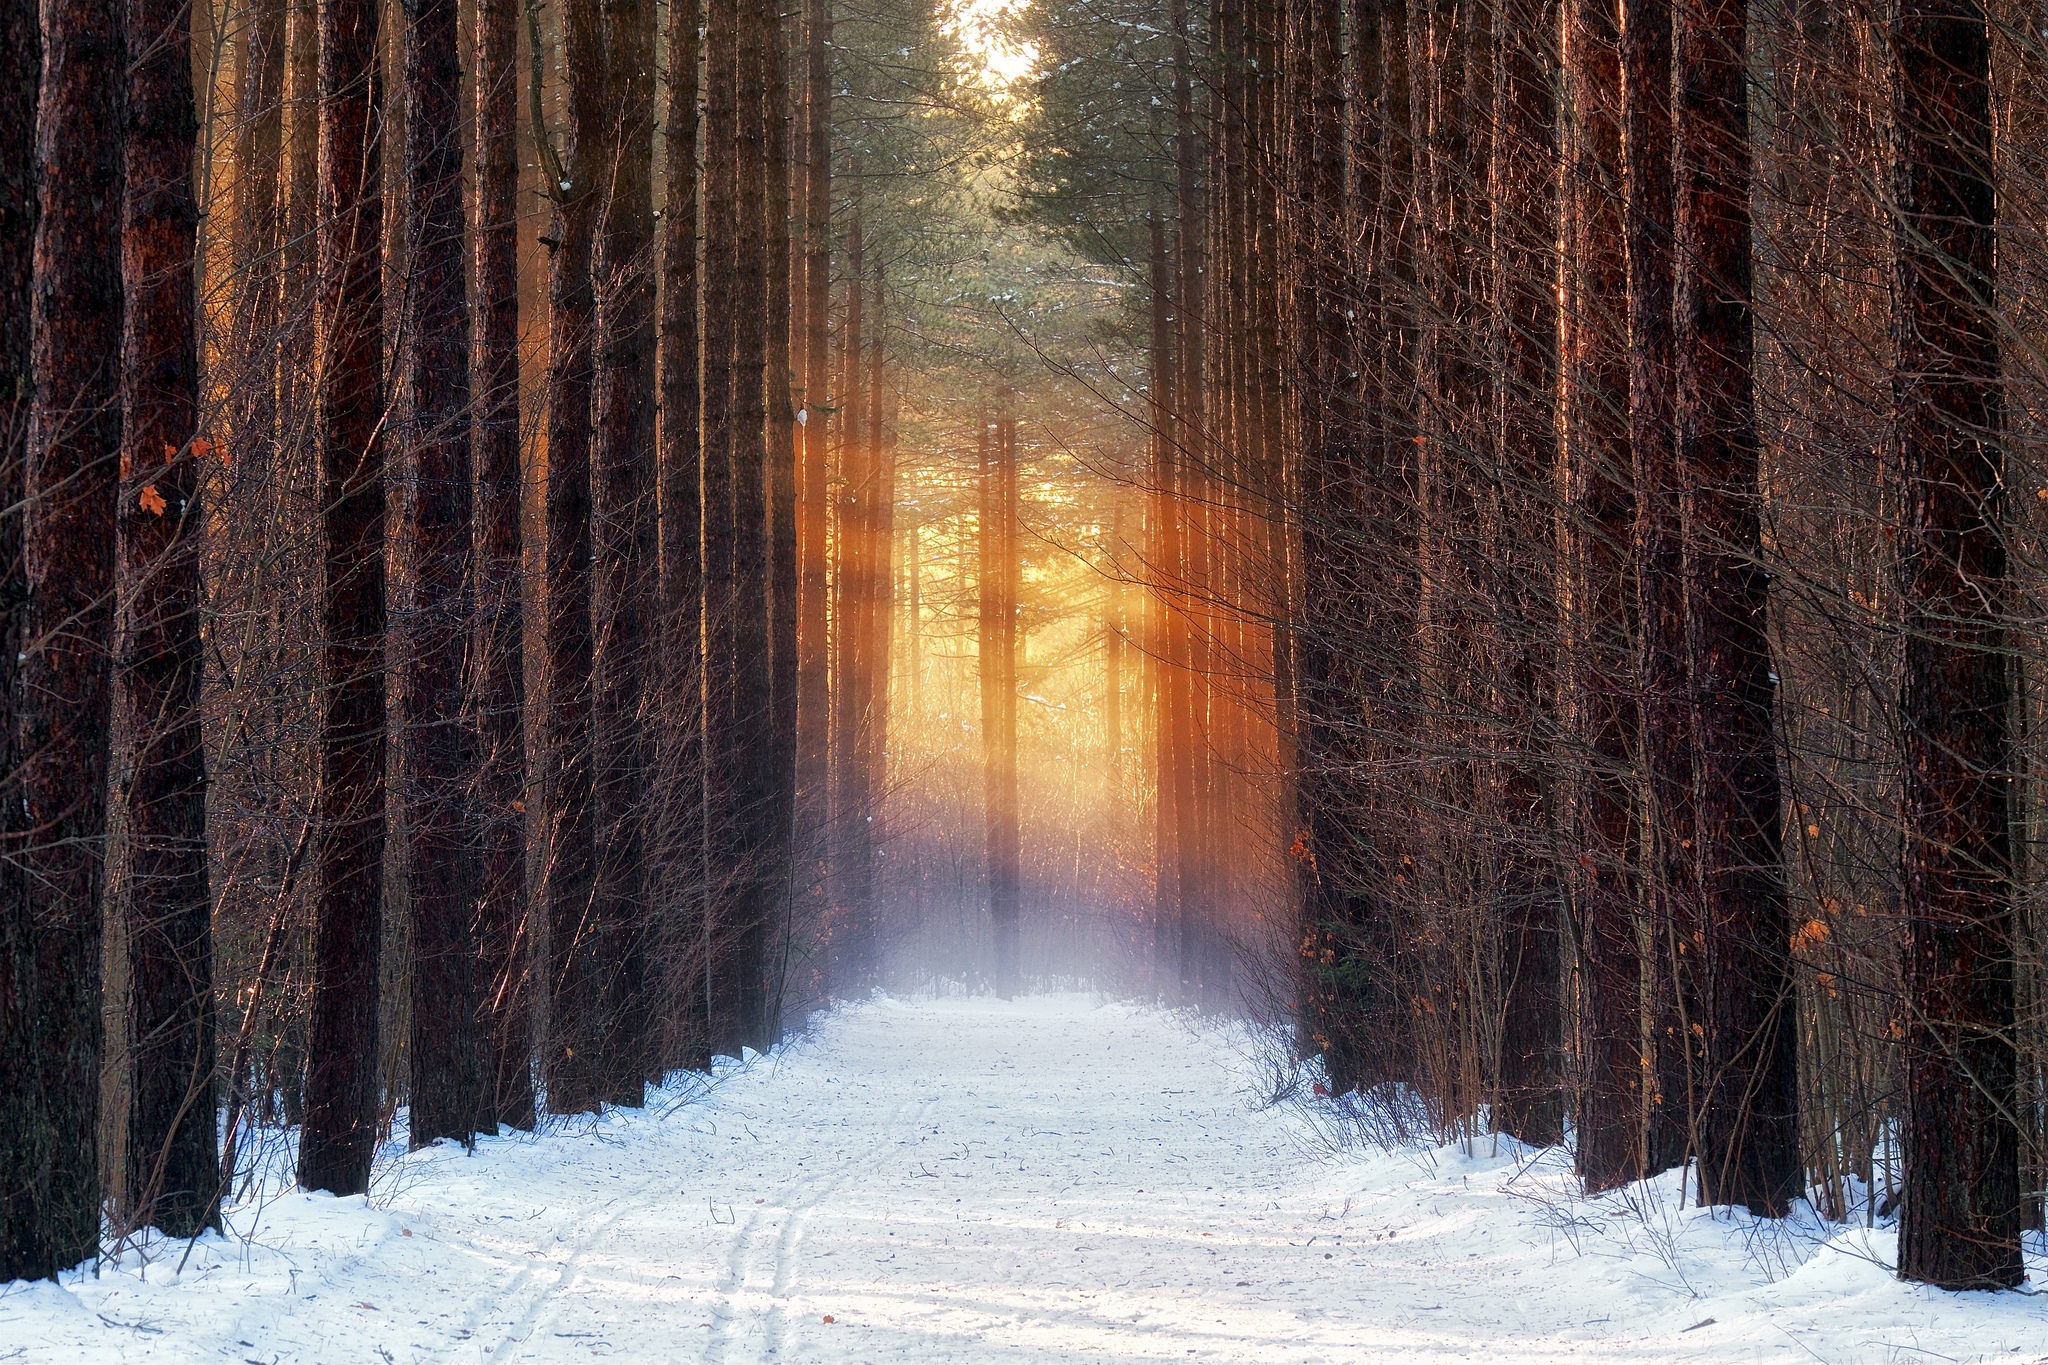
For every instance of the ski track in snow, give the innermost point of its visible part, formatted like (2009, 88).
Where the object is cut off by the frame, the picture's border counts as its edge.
(973, 1180)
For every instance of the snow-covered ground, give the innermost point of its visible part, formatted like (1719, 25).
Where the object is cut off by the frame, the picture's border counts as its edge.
(976, 1181)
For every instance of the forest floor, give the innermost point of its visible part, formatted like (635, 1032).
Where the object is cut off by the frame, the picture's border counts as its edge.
(978, 1181)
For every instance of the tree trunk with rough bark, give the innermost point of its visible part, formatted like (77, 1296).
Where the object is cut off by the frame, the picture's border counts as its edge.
(340, 1132)
(741, 984)
(23, 1136)
(504, 931)
(74, 447)
(1531, 1102)
(814, 704)
(577, 971)
(1163, 562)
(682, 552)
(1331, 854)
(784, 584)
(1188, 694)
(624, 521)
(173, 1172)
(1747, 1120)
(440, 750)
(852, 933)
(1959, 1226)
(1670, 880)
(722, 605)
(1600, 521)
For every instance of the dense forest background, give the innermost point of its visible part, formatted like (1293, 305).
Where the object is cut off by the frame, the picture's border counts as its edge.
(545, 540)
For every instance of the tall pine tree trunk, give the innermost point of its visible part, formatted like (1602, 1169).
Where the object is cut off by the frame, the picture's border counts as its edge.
(852, 935)
(1960, 1224)
(1670, 881)
(813, 706)
(577, 971)
(173, 1174)
(74, 447)
(255, 414)
(753, 776)
(1379, 645)
(721, 603)
(1188, 694)
(998, 665)
(504, 932)
(1330, 851)
(1600, 523)
(682, 552)
(1113, 629)
(878, 595)
(1531, 1099)
(1164, 554)
(623, 514)
(439, 753)
(784, 584)
(23, 1134)
(339, 1135)
(1748, 1117)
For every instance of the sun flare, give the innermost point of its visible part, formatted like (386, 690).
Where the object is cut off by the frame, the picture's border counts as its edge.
(998, 60)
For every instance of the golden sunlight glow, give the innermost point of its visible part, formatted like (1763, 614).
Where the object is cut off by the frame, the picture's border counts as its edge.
(998, 60)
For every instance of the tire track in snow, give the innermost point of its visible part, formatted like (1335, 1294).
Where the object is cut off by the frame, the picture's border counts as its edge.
(742, 1261)
(799, 1220)
(609, 1219)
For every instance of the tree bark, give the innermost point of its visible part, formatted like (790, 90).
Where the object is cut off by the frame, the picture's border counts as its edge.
(813, 706)
(1188, 694)
(1748, 1106)
(339, 1136)
(787, 681)
(682, 546)
(1959, 1227)
(624, 528)
(722, 604)
(578, 972)
(173, 1173)
(1331, 854)
(1664, 675)
(1600, 523)
(1381, 644)
(504, 933)
(440, 750)
(852, 932)
(879, 582)
(1165, 617)
(257, 236)
(1531, 1102)
(73, 458)
(754, 780)
(23, 1134)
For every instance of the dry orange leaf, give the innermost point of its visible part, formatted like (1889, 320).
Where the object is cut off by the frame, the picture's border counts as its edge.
(830, 1318)
(151, 501)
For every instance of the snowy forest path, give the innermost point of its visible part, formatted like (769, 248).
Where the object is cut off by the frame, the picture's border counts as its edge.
(979, 1181)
